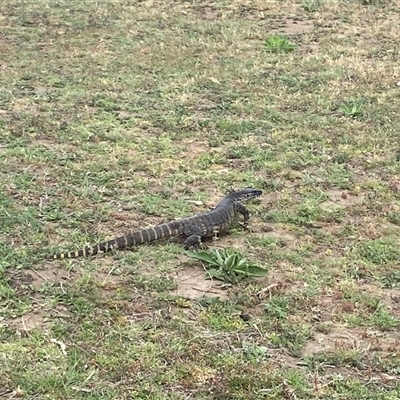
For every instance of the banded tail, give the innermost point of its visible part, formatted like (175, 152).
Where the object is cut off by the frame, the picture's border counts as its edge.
(132, 239)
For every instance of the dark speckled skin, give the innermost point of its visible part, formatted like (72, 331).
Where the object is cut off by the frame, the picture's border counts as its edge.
(193, 228)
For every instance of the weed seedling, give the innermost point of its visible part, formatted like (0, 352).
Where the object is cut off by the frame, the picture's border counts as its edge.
(227, 265)
(278, 44)
(311, 5)
(352, 109)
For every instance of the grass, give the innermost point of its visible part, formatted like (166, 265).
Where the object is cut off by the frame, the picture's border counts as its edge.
(116, 116)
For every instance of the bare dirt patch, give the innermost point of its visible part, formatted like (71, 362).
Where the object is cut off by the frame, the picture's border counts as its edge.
(106, 278)
(341, 198)
(27, 322)
(105, 274)
(296, 27)
(362, 340)
(51, 274)
(191, 283)
(195, 148)
(392, 298)
(20, 279)
(285, 238)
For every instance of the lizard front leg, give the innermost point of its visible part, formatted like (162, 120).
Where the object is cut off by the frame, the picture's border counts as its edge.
(241, 209)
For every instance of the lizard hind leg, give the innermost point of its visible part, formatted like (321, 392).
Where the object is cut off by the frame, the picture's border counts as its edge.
(193, 235)
(193, 242)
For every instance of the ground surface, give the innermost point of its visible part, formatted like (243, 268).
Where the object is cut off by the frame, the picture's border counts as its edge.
(119, 115)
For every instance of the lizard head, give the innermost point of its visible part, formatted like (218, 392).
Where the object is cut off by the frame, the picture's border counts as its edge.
(245, 194)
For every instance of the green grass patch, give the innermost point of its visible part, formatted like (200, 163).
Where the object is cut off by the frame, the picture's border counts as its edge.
(116, 116)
